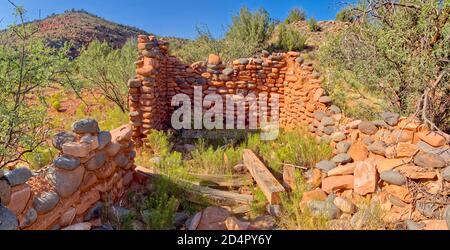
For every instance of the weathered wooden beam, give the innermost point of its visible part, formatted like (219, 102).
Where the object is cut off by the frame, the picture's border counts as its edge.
(200, 194)
(265, 180)
(223, 180)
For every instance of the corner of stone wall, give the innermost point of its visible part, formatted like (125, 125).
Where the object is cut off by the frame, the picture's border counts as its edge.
(92, 166)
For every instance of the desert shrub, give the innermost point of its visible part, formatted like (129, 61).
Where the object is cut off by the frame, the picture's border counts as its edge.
(107, 69)
(27, 66)
(200, 48)
(249, 33)
(292, 217)
(313, 25)
(400, 52)
(345, 15)
(161, 207)
(295, 147)
(295, 15)
(40, 157)
(290, 39)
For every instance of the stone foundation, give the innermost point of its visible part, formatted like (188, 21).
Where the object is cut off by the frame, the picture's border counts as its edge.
(92, 166)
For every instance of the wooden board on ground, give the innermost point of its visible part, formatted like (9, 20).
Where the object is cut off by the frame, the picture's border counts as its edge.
(265, 180)
(200, 194)
(223, 180)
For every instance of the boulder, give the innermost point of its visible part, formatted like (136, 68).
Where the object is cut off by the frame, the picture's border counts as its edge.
(19, 199)
(325, 99)
(358, 151)
(334, 183)
(338, 136)
(314, 195)
(66, 162)
(326, 165)
(8, 220)
(346, 169)
(390, 118)
(344, 205)
(121, 160)
(324, 209)
(97, 161)
(104, 138)
(5, 192)
(378, 147)
(428, 160)
(213, 218)
(45, 202)
(393, 177)
(28, 218)
(63, 137)
(18, 176)
(365, 177)
(343, 147)
(86, 126)
(342, 158)
(66, 182)
(367, 128)
(432, 138)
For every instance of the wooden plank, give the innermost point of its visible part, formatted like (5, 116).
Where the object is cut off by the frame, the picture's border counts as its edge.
(265, 180)
(223, 180)
(289, 177)
(199, 194)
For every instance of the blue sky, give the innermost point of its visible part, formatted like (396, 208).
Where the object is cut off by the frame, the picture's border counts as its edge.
(171, 17)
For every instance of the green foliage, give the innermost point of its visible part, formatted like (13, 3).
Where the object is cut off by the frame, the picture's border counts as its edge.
(293, 218)
(102, 67)
(158, 142)
(40, 157)
(258, 206)
(290, 39)
(295, 147)
(295, 15)
(27, 66)
(397, 55)
(345, 15)
(161, 207)
(55, 101)
(248, 34)
(313, 25)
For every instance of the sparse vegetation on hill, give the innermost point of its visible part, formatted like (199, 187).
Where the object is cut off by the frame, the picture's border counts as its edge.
(295, 15)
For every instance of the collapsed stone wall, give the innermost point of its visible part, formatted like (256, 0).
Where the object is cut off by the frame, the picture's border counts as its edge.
(395, 160)
(92, 166)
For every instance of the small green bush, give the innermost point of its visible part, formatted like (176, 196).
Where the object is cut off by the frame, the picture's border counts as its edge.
(345, 15)
(313, 25)
(295, 15)
(290, 39)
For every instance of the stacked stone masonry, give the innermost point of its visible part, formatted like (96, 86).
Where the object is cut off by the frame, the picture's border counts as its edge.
(93, 166)
(393, 160)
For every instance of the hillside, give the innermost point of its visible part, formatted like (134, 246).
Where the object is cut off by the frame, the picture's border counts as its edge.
(80, 28)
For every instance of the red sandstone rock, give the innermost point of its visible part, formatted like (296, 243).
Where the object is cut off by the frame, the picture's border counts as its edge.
(365, 180)
(334, 183)
(358, 151)
(20, 195)
(432, 138)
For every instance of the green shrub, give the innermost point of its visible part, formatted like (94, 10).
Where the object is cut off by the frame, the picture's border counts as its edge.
(295, 15)
(345, 15)
(313, 25)
(397, 53)
(40, 157)
(290, 39)
(108, 70)
(249, 33)
(292, 217)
